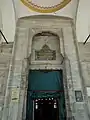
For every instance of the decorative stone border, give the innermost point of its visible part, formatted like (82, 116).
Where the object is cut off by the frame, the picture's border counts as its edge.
(42, 9)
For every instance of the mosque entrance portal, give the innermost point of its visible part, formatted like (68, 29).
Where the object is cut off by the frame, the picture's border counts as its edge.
(45, 95)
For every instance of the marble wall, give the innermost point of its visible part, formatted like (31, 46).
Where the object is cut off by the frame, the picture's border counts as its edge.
(84, 52)
(74, 87)
(5, 57)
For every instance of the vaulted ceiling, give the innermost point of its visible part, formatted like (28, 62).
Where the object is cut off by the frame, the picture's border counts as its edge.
(13, 9)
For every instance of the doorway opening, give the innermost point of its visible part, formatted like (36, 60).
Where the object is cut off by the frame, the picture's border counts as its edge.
(46, 109)
(45, 95)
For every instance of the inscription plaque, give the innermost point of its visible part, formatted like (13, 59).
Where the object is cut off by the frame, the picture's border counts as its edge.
(79, 97)
(45, 54)
(15, 95)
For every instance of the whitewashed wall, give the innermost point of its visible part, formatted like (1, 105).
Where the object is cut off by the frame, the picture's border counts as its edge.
(8, 19)
(0, 23)
(14, 9)
(0, 20)
(83, 20)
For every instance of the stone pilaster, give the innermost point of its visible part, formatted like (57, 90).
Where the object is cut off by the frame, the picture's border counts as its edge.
(74, 79)
(15, 91)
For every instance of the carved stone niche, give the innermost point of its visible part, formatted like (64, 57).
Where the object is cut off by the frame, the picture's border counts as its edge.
(46, 49)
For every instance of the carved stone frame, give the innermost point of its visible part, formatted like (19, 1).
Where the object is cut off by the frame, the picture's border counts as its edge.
(59, 32)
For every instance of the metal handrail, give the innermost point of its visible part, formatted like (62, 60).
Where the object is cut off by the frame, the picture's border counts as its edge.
(4, 36)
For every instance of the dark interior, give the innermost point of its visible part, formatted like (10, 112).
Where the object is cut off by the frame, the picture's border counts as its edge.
(46, 109)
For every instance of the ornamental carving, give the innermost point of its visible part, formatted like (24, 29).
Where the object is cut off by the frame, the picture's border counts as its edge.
(45, 6)
(45, 54)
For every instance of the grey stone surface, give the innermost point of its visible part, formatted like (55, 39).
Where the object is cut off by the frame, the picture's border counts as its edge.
(21, 60)
(5, 56)
(84, 53)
